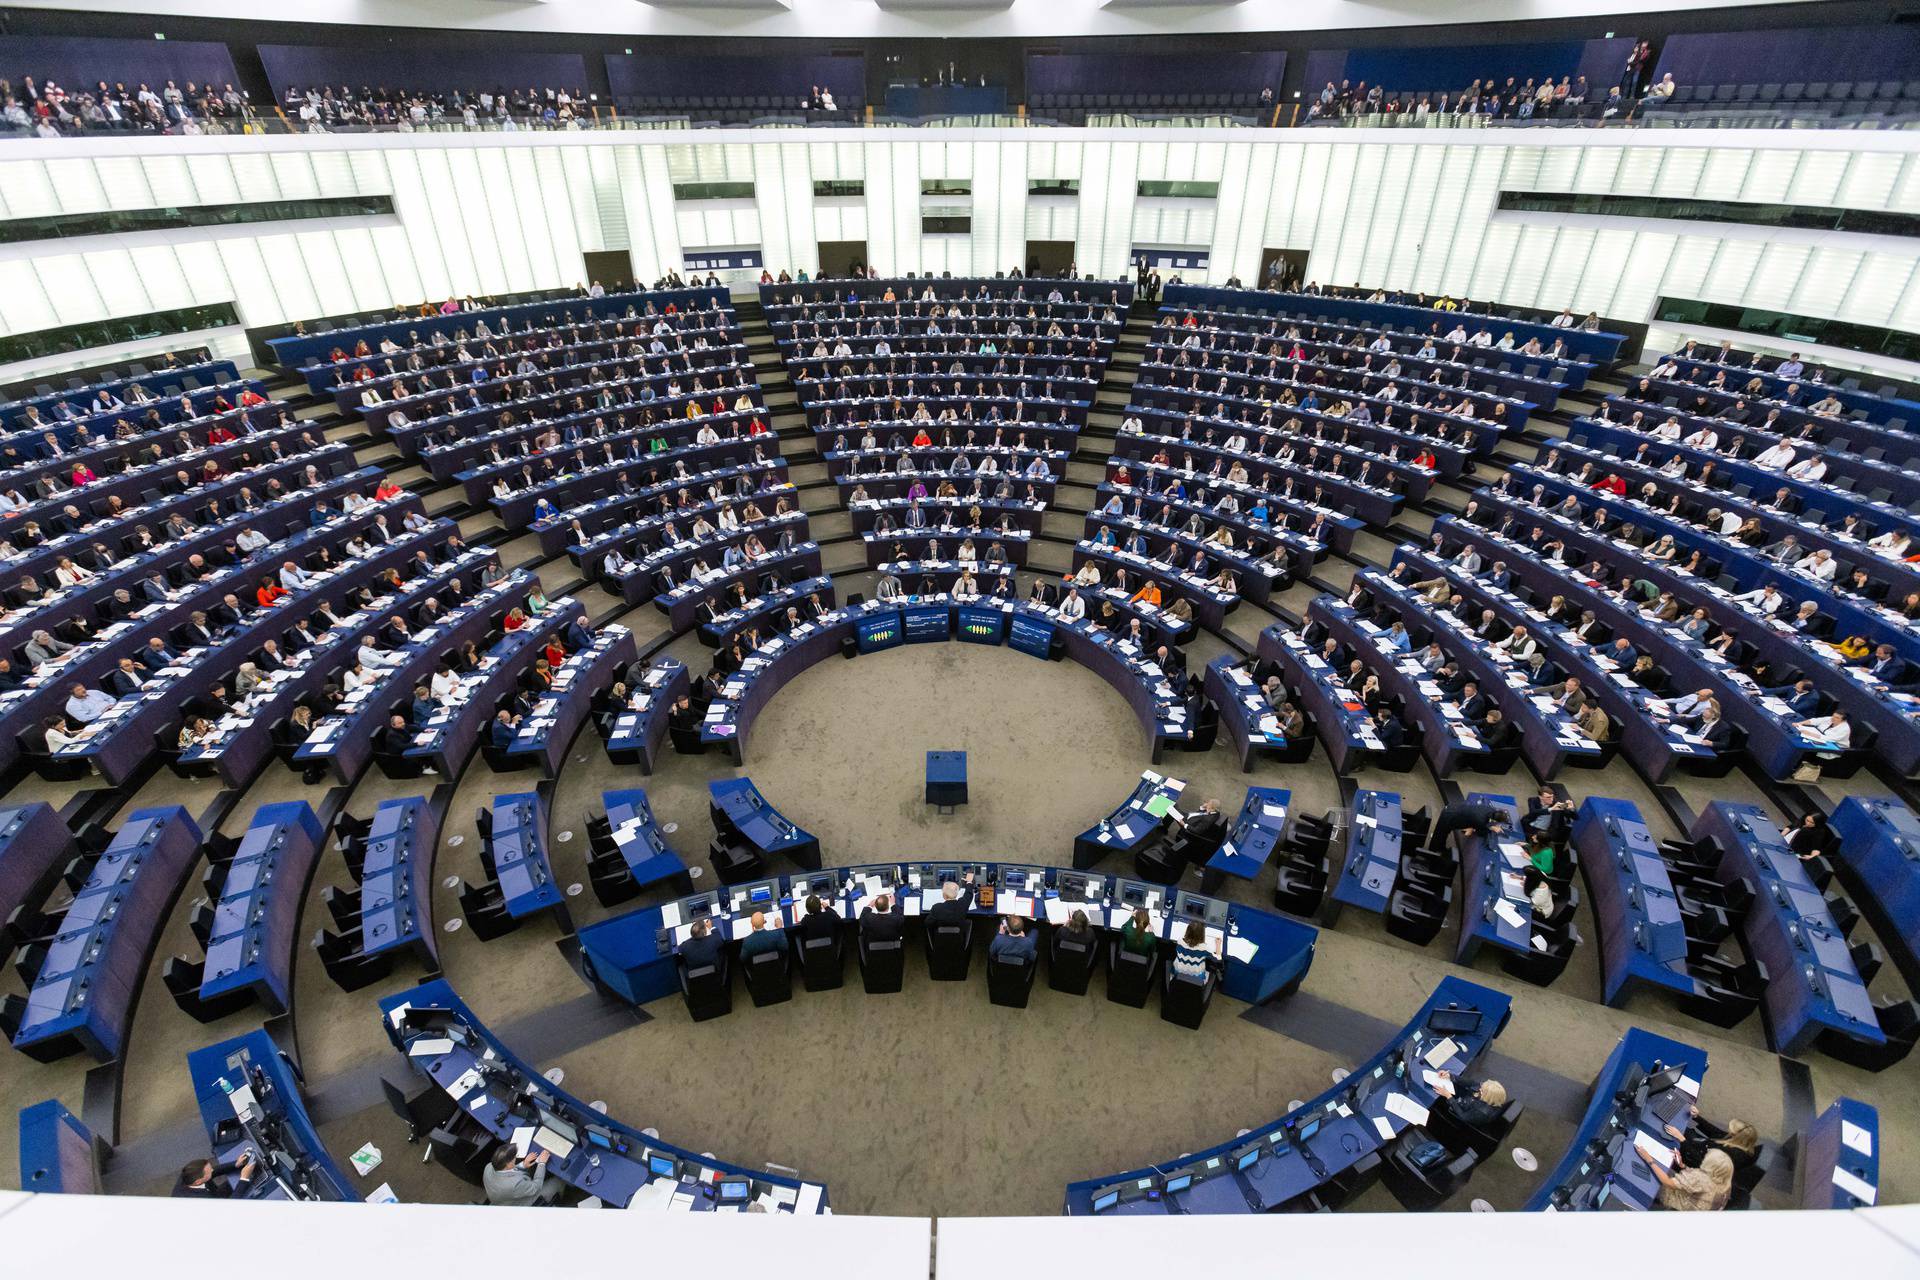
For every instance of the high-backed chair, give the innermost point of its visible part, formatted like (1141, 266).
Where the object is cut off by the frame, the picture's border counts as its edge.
(1071, 961)
(1010, 979)
(949, 951)
(1130, 975)
(708, 990)
(769, 978)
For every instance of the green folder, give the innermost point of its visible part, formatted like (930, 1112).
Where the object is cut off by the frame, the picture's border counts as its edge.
(1159, 804)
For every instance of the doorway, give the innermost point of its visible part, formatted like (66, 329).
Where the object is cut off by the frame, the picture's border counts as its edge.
(1049, 257)
(842, 258)
(612, 268)
(1282, 269)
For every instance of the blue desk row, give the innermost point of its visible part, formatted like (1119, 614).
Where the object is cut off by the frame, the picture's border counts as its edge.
(250, 1102)
(1266, 955)
(1283, 1161)
(396, 880)
(739, 811)
(91, 974)
(34, 845)
(1840, 1157)
(1643, 942)
(499, 1093)
(1371, 865)
(251, 945)
(1814, 985)
(1879, 862)
(1647, 1082)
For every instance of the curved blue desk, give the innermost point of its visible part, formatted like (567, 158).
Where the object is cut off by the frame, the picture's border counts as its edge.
(249, 1099)
(1643, 942)
(57, 1152)
(396, 880)
(1370, 867)
(1840, 1157)
(1600, 1169)
(1879, 862)
(499, 1092)
(738, 809)
(84, 994)
(1266, 954)
(1283, 1161)
(251, 945)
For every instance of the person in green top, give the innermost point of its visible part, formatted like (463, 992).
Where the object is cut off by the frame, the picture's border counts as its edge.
(1542, 856)
(1137, 935)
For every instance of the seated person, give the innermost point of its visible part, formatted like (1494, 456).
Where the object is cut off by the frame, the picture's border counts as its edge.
(1014, 941)
(507, 1179)
(1475, 1106)
(1705, 1188)
(763, 938)
(1194, 954)
(202, 1179)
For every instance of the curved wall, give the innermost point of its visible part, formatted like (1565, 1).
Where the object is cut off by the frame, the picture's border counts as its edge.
(498, 213)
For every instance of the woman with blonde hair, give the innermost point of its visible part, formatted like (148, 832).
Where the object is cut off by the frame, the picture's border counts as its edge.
(1694, 1190)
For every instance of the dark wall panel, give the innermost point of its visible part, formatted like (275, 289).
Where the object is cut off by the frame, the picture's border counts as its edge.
(1116, 73)
(717, 75)
(291, 65)
(78, 62)
(1802, 54)
(1449, 69)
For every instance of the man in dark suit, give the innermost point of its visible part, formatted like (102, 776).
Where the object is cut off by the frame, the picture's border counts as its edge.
(156, 655)
(1715, 730)
(1550, 816)
(1201, 833)
(1801, 697)
(817, 922)
(396, 737)
(883, 920)
(1469, 817)
(955, 900)
(1886, 665)
(1494, 729)
(205, 1180)
(119, 605)
(703, 948)
(1473, 703)
(125, 680)
(1389, 730)
(505, 727)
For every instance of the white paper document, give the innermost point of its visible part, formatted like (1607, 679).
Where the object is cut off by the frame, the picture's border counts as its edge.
(1859, 1188)
(1406, 1108)
(1858, 1139)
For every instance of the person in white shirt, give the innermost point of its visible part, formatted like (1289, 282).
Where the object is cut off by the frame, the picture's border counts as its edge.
(1834, 729)
(443, 685)
(1820, 566)
(1891, 543)
(1562, 321)
(250, 540)
(1775, 458)
(1729, 524)
(1482, 338)
(1766, 600)
(87, 705)
(1518, 644)
(1668, 430)
(1073, 606)
(1704, 438)
(1809, 469)
(374, 658)
(293, 577)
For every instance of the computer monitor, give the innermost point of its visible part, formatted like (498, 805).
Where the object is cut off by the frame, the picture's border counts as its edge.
(1105, 1200)
(1664, 1080)
(1133, 893)
(1454, 1021)
(599, 1137)
(1194, 906)
(1246, 1157)
(734, 1190)
(1308, 1129)
(1177, 1182)
(662, 1166)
